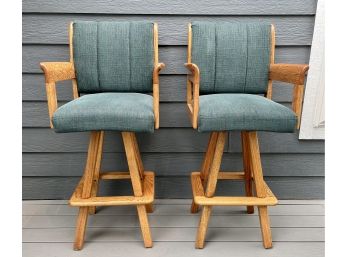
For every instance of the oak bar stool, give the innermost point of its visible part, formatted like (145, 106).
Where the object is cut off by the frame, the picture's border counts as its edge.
(230, 88)
(113, 64)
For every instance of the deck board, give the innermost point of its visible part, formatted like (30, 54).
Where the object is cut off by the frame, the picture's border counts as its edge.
(298, 229)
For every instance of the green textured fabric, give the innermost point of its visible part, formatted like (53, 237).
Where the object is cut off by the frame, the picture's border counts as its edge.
(232, 57)
(106, 111)
(227, 112)
(113, 56)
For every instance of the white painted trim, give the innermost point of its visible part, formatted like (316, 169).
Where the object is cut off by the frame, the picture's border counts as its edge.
(313, 115)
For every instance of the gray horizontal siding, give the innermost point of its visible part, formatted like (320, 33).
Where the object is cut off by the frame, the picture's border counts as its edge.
(163, 140)
(193, 7)
(52, 29)
(167, 164)
(172, 187)
(52, 162)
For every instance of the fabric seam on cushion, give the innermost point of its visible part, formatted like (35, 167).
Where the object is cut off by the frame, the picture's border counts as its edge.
(215, 58)
(130, 57)
(97, 45)
(247, 58)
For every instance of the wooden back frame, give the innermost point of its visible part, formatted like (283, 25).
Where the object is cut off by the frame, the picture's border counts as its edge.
(155, 77)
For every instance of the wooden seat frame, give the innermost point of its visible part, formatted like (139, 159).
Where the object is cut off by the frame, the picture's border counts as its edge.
(204, 181)
(85, 195)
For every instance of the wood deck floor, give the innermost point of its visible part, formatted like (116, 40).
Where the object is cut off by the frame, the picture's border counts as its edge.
(297, 228)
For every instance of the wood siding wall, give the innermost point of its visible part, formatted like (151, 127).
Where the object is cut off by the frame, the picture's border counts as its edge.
(53, 162)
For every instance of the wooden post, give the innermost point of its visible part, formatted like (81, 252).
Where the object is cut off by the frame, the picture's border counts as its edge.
(261, 190)
(92, 209)
(247, 170)
(135, 174)
(210, 188)
(208, 158)
(86, 190)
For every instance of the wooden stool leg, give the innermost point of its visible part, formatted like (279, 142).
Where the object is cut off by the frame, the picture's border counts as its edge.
(203, 226)
(260, 188)
(208, 158)
(135, 174)
(247, 170)
(210, 188)
(92, 209)
(87, 189)
(149, 207)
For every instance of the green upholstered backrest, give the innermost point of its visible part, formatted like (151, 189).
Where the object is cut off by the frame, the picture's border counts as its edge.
(113, 56)
(232, 57)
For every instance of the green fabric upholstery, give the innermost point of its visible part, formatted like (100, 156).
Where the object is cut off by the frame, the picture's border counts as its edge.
(227, 112)
(113, 56)
(106, 111)
(232, 57)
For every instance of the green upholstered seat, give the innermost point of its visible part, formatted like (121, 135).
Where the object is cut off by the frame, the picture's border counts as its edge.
(227, 112)
(106, 111)
(233, 60)
(113, 63)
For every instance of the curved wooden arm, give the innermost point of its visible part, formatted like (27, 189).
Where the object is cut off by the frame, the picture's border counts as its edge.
(294, 74)
(291, 73)
(194, 78)
(56, 71)
(155, 78)
(193, 93)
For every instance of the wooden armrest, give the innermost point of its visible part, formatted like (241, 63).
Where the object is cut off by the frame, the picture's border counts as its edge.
(194, 71)
(193, 93)
(155, 78)
(295, 74)
(57, 71)
(291, 73)
(156, 71)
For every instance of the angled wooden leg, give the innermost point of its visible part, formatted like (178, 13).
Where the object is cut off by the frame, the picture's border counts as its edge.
(210, 188)
(92, 209)
(149, 207)
(86, 190)
(260, 188)
(247, 170)
(208, 158)
(203, 226)
(135, 174)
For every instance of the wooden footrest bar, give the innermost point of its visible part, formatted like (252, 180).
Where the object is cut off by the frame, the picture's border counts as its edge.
(148, 197)
(201, 199)
(114, 175)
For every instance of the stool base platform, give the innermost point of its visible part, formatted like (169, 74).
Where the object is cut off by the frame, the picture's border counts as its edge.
(200, 199)
(204, 184)
(147, 198)
(85, 195)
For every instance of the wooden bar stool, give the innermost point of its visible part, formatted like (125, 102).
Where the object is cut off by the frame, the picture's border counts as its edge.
(113, 64)
(230, 88)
